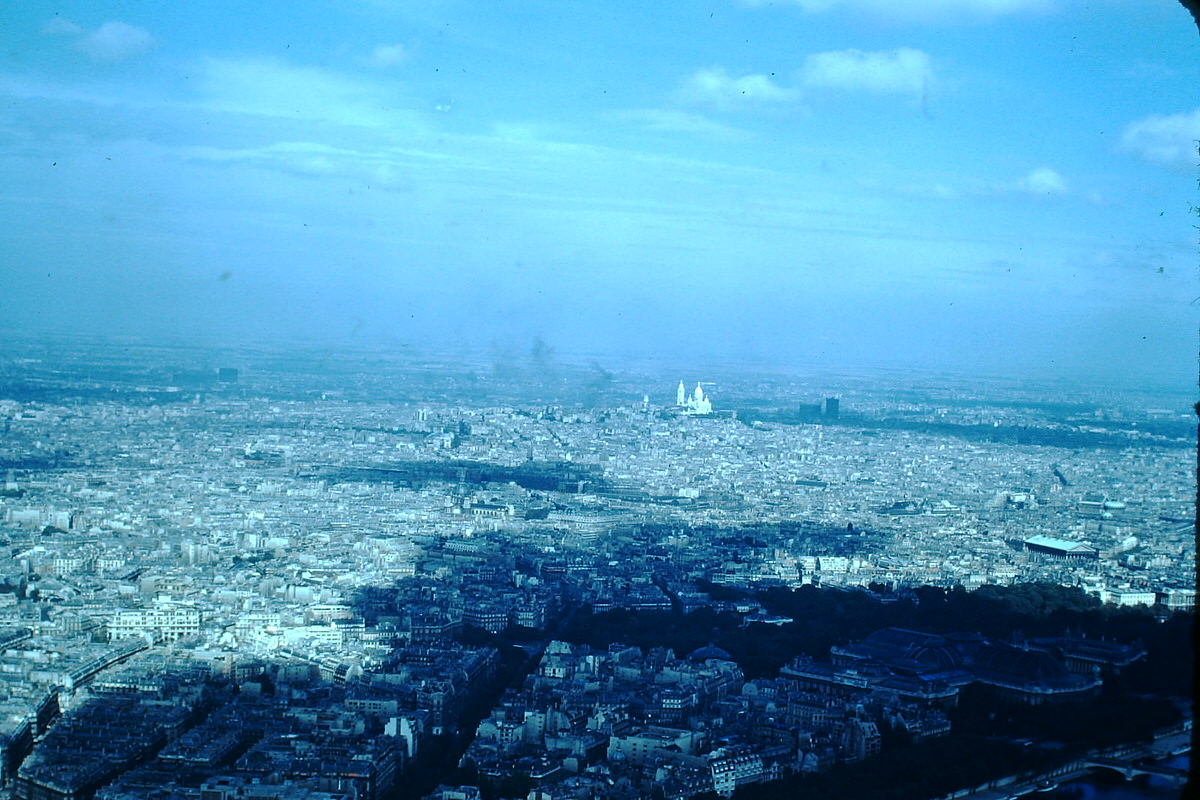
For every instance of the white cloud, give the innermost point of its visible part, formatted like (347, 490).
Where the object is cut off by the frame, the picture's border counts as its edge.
(115, 41)
(111, 42)
(936, 191)
(1043, 180)
(379, 168)
(716, 88)
(920, 10)
(1169, 140)
(275, 88)
(388, 55)
(902, 71)
(61, 26)
(677, 121)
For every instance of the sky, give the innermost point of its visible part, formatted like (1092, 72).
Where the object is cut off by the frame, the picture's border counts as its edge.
(993, 186)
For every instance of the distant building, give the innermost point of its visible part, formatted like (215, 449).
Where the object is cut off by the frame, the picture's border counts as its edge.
(669, 743)
(832, 406)
(1060, 548)
(1030, 676)
(1092, 504)
(733, 769)
(163, 623)
(444, 792)
(1129, 597)
(1178, 599)
(1086, 656)
(695, 403)
(492, 617)
(861, 739)
(1050, 671)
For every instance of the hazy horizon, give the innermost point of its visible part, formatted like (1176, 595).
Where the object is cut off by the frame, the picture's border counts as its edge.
(975, 186)
(607, 379)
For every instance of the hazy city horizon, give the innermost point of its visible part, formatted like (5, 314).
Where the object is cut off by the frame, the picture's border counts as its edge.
(536, 358)
(495, 575)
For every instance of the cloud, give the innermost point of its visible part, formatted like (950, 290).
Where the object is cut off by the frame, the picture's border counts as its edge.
(934, 191)
(115, 41)
(521, 131)
(1169, 140)
(902, 71)
(379, 168)
(272, 87)
(1043, 180)
(112, 42)
(919, 10)
(677, 121)
(388, 55)
(61, 26)
(718, 89)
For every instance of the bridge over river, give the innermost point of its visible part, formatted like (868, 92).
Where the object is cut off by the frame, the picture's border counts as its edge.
(1129, 761)
(1132, 768)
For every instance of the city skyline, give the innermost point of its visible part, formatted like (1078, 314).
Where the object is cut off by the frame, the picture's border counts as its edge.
(385, 576)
